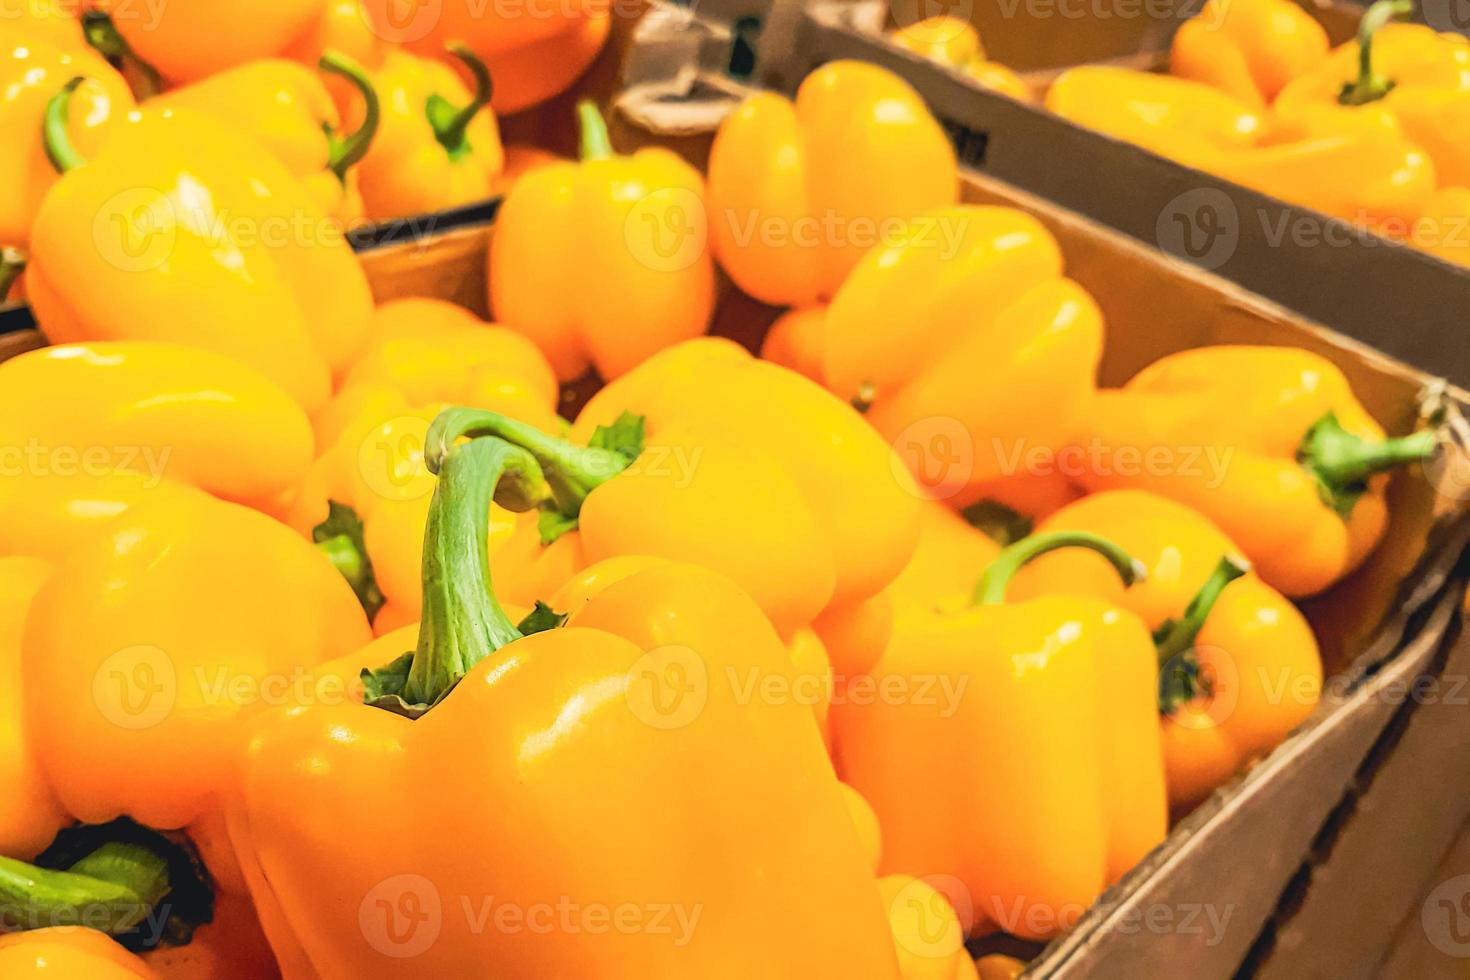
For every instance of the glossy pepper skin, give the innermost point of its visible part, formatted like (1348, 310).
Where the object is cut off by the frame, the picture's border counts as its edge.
(32, 70)
(603, 262)
(1001, 785)
(955, 43)
(1259, 667)
(287, 109)
(438, 146)
(1269, 443)
(520, 729)
(69, 951)
(192, 39)
(799, 191)
(422, 354)
(1251, 49)
(1419, 77)
(199, 236)
(966, 285)
(156, 410)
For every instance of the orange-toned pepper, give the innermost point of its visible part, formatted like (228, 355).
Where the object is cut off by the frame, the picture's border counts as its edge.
(1443, 227)
(342, 27)
(186, 40)
(69, 951)
(199, 235)
(795, 341)
(976, 741)
(956, 44)
(1249, 48)
(529, 725)
(286, 108)
(32, 70)
(800, 191)
(421, 355)
(31, 822)
(532, 73)
(1420, 77)
(1239, 664)
(965, 285)
(438, 146)
(927, 932)
(603, 262)
(1268, 443)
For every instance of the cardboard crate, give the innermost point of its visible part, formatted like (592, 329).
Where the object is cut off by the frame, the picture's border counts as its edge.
(1382, 630)
(1320, 267)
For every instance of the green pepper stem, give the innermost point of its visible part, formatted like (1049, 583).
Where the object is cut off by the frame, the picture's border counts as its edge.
(450, 123)
(12, 264)
(991, 589)
(102, 34)
(595, 144)
(347, 151)
(55, 132)
(572, 471)
(1342, 462)
(1177, 637)
(1369, 86)
(463, 623)
(113, 889)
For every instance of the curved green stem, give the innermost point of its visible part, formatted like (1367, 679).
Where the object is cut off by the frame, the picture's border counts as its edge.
(113, 889)
(991, 589)
(1343, 462)
(572, 471)
(1369, 86)
(1179, 676)
(347, 151)
(55, 133)
(451, 124)
(102, 34)
(462, 621)
(341, 537)
(595, 143)
(12, 264)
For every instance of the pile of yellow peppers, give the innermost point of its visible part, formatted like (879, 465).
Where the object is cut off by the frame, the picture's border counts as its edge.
(341, 653)
(1369, 132)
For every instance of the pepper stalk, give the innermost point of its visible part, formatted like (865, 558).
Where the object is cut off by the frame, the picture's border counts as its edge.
(345, 152)
(451, 123)
(1343, 462)
(1369, 86)
(1180, 680)
(991, 589)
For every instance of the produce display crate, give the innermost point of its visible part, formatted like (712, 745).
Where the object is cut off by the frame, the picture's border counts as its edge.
(1320, 267)
(1209, 901)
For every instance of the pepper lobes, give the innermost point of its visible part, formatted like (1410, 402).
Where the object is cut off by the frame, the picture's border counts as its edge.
(1250, 663)
(530, 725)
(1251, 49)
(191, 39)
(998, 790)
(1269, 443)
(603, 262)
(201, 236)
(799, 191)
(966, 285)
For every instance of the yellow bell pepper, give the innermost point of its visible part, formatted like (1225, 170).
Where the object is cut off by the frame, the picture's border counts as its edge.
(800, 191)
(201, 236)
(1249, 48)
(186, 40)
(956, 44)
(603, 262)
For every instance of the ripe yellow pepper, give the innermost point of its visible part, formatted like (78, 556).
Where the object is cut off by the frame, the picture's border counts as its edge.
(1443, 227)
(1248, 48)
(965, 285)
(286, 108)
(1420, 77)
(186, 40)
(799, 191)
(438, 146)
(512, 732)
(343, 27)
(422, 354)
(977, 745)
(200, 236)
(154, 410)
(32, 70)
(956, 44)
(1268, 443)
(69, 951)
(52, 21)
(1239, 664)
(603, 262)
